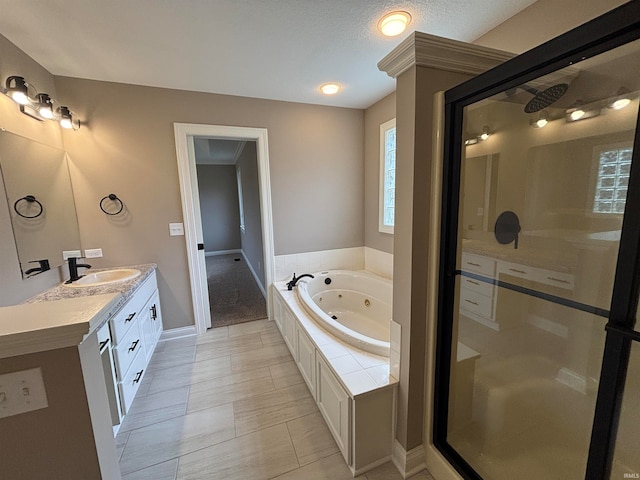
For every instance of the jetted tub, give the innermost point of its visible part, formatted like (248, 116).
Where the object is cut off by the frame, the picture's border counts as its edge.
(353, 306)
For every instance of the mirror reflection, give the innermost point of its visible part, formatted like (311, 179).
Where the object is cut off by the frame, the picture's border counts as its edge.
(40, 200)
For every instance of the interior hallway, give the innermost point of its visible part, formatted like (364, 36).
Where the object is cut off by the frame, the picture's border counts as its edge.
(234, 295)
(230, 404)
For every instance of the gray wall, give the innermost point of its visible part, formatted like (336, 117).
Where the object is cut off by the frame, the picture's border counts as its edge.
(218, 193)
(252, 237)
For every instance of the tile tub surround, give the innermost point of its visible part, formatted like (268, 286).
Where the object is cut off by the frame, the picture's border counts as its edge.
(356, 258)
(292, 442)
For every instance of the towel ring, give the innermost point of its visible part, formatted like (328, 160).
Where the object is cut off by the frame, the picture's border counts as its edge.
(113, 197)
(28, 199)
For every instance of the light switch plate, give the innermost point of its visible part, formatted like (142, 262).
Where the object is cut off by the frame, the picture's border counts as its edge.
(66, 254)
(93, 253)
(176, 229)
(22, 392)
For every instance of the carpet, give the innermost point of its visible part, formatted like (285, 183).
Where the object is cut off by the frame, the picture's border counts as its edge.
(234, 296)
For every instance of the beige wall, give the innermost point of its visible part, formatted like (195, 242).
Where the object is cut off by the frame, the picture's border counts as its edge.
(56, 441)
(542, 21)
(127, 147)
(374, 116)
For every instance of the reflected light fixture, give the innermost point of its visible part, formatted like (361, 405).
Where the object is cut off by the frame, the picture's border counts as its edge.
(18, 90)
(581, 111)
(622, 99)
(394, 23)
(542, 120)
(330, 88)
(486, 133)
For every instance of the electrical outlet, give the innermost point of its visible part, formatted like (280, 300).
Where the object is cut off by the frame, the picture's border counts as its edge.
(66, 254)
(22, 392)
(176, 229)
(93, 253)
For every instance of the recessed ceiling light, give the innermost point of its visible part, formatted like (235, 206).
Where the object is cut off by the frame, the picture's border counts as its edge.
(330, 88)
(394, 23)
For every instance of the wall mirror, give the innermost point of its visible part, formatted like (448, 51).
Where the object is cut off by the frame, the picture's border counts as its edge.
(40, 201)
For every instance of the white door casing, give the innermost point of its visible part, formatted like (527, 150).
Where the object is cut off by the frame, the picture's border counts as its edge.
(184, 133)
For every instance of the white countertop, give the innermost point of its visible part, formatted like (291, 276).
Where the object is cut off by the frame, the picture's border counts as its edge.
(34, 327)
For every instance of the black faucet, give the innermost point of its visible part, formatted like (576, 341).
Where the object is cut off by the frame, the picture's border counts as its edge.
(44, 266)
(73, 269)
(295, 279)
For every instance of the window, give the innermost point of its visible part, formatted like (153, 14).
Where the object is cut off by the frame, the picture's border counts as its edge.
(614, 164)
(240, 203)
(387, 176)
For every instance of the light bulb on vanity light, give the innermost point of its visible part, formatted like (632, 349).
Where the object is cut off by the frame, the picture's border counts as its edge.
(17, 89)
(66, 119)
(486, 133)
(45, 106)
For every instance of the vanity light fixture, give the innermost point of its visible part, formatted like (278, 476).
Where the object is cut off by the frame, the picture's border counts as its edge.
(38, 105)
(580, 111)
(471, 141)
(622, 99)
(394, 23)
(330, 88)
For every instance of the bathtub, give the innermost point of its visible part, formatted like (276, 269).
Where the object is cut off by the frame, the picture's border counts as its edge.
(353, 306)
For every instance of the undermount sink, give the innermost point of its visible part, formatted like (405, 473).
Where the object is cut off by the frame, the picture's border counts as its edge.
(105, 277)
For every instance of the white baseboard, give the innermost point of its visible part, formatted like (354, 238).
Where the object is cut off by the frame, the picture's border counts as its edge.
(255, 275)
(175, 333)
(408, 463)
(222, 252)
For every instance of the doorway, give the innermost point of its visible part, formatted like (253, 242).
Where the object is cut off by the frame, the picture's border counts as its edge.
(194, 234)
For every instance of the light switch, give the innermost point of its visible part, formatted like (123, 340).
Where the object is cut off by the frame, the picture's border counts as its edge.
(176, 229)
(22, 392)
(71, 253)
(93, 253)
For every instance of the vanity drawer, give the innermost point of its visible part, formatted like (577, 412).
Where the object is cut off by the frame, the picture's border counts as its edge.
(476, 303)
(131, 382)
(557, 279)
(517, 270)
(126, 317)
(477, 286)
(127, 349)
(477, 264)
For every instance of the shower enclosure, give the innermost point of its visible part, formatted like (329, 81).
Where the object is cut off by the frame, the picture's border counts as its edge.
(538, 351)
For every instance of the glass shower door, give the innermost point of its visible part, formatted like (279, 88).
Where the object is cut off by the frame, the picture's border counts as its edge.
(531, 260)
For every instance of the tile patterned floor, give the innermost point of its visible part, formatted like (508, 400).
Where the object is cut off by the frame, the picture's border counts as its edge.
(229, 405)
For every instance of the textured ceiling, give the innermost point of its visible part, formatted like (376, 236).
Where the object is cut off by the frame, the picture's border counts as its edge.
(275, 49)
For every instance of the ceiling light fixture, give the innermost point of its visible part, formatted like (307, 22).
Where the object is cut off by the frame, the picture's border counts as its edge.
(394, 23)
(330, 88)
(38, 105)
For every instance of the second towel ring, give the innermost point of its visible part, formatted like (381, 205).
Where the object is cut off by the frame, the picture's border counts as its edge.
(114, 198)
(29, 199)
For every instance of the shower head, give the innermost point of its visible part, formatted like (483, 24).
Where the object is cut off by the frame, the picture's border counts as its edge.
(544, 98)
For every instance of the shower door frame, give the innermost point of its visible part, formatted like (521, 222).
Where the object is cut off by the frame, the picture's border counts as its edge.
(616, 28)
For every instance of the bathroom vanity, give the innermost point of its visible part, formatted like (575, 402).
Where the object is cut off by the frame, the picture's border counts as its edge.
(71, 361)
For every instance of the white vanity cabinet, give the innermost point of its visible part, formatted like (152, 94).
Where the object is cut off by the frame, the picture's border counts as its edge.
(135, 330)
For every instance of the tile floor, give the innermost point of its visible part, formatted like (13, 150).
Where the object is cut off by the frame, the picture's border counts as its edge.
(230, 404)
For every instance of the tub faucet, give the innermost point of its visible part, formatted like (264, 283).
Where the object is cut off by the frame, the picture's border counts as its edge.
(295, 279)
(73, 269)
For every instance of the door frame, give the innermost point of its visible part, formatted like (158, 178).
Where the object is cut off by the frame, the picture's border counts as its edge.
(184, 133)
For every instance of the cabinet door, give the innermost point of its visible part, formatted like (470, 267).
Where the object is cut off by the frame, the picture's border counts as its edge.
(335, 405)
(306, 359)
(289, 330)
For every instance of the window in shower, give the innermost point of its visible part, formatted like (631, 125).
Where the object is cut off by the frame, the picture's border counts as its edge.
(538, 351)
(387, 176)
